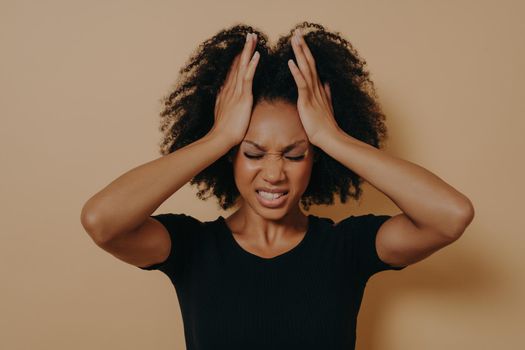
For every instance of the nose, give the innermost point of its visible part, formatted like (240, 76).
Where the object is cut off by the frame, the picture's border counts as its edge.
(273, 168)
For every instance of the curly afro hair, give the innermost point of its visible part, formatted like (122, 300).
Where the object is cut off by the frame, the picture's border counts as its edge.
(188, 112)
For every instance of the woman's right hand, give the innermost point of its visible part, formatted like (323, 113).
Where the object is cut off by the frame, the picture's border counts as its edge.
(233, 104)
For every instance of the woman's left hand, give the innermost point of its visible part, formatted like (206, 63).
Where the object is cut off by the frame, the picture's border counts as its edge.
(314, 102)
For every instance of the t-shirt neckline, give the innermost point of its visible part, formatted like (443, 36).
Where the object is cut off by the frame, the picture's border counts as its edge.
(237, 247)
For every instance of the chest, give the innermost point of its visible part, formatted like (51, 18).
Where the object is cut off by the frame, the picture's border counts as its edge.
(296, 302)
(256, 249)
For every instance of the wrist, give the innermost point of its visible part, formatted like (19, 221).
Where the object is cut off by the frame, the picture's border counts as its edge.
(220, 138)
(325, 136)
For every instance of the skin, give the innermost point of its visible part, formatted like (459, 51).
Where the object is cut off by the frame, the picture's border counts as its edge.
(434, 214)
(268, 232)
(271, 231)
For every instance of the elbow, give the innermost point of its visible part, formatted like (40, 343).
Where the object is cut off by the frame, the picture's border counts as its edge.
(89, 221)
(464, 215)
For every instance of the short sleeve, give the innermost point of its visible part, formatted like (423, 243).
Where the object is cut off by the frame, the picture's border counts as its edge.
(361, 232)
(180, 227)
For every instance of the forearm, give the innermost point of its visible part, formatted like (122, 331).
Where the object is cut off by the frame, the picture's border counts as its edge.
(425, 198)
(130, 199)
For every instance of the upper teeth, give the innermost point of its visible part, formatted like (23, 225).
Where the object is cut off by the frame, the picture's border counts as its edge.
(269, 195)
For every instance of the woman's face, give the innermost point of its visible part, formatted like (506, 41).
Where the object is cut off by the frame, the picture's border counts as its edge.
(275, 154)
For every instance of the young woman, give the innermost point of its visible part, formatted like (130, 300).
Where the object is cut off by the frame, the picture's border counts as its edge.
(264, 133)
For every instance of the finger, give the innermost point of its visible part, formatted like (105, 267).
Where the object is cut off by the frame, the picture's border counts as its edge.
(235, 72)
(247, 51)
(227, 81)
(250, 71)
(308, 55)
(245, 59)
(226, 84)
(302, 63)
(231, 72)
(302, 86)
(232, 69)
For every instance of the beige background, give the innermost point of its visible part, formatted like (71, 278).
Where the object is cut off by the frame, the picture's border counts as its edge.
(80, 88)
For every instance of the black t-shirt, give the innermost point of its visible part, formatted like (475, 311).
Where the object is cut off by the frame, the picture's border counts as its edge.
(305, 298)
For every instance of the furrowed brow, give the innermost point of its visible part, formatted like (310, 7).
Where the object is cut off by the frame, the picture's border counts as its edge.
(285, 149)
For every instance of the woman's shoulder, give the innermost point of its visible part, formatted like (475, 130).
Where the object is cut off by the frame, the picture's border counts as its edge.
(178, 219)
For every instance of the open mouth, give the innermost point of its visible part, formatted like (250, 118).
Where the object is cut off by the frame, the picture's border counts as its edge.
(271, 200)
(270, 196)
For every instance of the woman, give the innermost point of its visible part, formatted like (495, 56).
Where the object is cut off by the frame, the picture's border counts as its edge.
(283, 132)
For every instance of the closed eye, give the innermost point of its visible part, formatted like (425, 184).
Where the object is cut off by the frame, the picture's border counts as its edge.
(295, 159)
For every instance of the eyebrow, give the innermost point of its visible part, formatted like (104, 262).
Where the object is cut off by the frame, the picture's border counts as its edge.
(285, 149)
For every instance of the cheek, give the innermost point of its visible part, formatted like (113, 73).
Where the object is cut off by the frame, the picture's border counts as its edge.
(304, 171)
(242, 166)
(243, 171)
(299, 173)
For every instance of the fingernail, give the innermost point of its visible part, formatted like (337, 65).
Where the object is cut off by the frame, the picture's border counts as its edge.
(247, 37)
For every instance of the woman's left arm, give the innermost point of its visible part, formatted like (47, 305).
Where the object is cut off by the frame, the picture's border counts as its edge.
(434, 213)
(428, 201)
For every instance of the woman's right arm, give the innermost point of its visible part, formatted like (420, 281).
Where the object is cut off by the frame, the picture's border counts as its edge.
(118, 217)
(128, 201)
